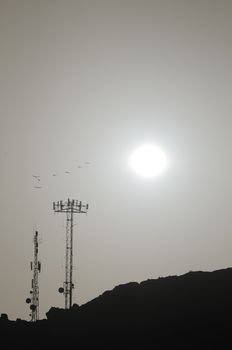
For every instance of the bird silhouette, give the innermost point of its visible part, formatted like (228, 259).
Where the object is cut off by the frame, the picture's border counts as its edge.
(36, 177)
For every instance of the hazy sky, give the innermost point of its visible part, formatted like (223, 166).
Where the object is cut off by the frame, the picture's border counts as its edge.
(90, 80)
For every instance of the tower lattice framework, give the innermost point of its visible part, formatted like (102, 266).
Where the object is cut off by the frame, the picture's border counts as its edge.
(70, 207)
(35, 268)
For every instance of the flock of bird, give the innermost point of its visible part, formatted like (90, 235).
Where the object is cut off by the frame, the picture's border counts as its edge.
(37, 178)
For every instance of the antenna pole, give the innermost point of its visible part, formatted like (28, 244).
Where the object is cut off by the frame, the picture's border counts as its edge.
(69, 207)
(36, 268)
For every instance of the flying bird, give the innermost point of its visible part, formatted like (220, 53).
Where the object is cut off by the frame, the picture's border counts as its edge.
(53, 174)
(67, 172)
(36, 177)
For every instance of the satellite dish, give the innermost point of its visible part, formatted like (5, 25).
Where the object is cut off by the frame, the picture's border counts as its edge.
(33, 307)
(61, 290)
(28, 300)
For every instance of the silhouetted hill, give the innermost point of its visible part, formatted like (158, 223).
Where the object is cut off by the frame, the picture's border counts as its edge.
(188, 310)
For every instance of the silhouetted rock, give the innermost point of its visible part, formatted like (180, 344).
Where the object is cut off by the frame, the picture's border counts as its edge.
(192, 309)
(4, 317)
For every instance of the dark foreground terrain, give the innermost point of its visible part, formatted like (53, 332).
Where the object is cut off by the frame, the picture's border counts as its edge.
(189, 311)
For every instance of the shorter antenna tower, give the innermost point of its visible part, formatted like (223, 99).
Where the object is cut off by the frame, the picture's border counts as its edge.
(69, 207)
(36, 268)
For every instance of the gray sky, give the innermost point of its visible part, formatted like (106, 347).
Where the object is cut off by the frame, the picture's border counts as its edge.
(90, 80)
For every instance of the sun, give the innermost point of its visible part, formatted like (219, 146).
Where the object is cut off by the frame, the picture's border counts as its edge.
(148, 160)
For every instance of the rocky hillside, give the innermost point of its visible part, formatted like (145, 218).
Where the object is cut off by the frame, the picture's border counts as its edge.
(190, 310)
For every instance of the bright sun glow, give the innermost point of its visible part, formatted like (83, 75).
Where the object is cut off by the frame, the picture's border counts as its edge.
(148, 160)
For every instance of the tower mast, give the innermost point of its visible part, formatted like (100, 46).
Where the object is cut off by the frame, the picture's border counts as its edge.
(69, 207)
(36, 268)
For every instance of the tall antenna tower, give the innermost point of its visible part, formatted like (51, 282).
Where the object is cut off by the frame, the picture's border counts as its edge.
(69, 207)
(36, 268)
